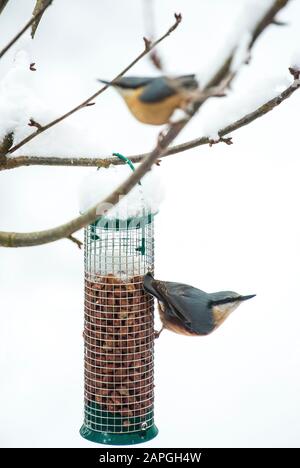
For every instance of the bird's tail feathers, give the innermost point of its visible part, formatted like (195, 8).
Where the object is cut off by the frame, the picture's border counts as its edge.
(105, 82)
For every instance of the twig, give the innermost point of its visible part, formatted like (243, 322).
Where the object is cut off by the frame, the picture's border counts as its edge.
(5, 144)
(106, 162)
(224, 74)
(12, 239)
(267, 19)
(24, 29)
(33, 123)
(148, 10)
(85, 103)
(75, 240)
(39, 5)
(3, 4)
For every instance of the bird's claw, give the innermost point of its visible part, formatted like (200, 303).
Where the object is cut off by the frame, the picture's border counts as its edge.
(157, 333)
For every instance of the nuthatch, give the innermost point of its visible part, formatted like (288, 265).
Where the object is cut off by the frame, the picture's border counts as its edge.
(187, 310)
(152, 100)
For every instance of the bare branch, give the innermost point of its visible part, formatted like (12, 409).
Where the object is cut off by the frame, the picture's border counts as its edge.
(33, 123)
(260, 27)
(269, 18)
(75, 240)
(106, 162)
(148, 11)
(224, 74)
(39, 10)
(3, 4)
(25, 28)
(148, 48)
(295, 72)
(5, 144)
(11, 239)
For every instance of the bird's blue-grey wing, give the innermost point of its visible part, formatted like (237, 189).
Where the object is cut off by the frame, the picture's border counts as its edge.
(189, 305)
(163, 87)
(157, 90)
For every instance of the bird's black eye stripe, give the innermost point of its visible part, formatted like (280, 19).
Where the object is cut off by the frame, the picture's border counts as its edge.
(226, 300)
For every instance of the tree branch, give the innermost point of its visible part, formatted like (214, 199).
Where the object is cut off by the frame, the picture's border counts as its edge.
(75, 240)
(13, 239)
(148, 47)
(3, 4)
(34, 18)
(267, 19)
(106, 162)
(148, 13)
(39, 7)
(224, 73)
(10, 239)
(5, 144)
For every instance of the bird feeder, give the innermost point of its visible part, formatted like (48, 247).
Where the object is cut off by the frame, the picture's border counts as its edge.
(119, 332)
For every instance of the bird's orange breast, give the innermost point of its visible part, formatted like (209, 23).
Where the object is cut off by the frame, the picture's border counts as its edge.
(153, 113)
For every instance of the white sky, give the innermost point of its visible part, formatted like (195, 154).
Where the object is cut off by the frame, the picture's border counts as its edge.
(230, 220)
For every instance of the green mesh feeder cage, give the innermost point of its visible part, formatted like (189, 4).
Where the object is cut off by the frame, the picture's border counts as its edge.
(119, 332)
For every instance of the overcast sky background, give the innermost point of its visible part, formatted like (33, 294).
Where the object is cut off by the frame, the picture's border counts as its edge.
(230, 221)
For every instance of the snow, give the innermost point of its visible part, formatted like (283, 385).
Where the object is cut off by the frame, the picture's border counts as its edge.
(249, 14)
(221, 112)
(241, 54)
(295, 59)
(229, 222)
(20, 101)
(100, 183)
(17, 100)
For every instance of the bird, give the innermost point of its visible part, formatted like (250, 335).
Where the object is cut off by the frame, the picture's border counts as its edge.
(189, 311)
(152, 100)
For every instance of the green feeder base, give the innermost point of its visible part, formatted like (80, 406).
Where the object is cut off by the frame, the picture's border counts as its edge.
(119, 439)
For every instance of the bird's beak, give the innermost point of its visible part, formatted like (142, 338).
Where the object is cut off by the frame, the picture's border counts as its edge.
(245, 298)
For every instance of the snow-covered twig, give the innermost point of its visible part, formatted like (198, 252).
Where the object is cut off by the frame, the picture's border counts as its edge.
(34, 19)
(12, 239)
(205, 140)
(148, 47)
(265, 21)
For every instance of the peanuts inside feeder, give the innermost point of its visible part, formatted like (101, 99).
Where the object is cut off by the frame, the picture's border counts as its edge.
(119, 329)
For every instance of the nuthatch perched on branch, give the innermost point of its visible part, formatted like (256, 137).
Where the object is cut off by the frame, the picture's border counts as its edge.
(187, 310)
(152, 100)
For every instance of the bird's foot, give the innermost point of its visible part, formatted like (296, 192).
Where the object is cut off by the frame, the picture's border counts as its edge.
(157, 333)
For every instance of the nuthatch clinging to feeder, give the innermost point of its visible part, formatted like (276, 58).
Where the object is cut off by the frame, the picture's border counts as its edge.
(187, 310)
(152, 100)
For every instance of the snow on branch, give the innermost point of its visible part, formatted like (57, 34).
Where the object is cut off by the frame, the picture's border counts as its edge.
(34, 20)
(76, 161)
(87, 102)
(12, 239)
(252, 22)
